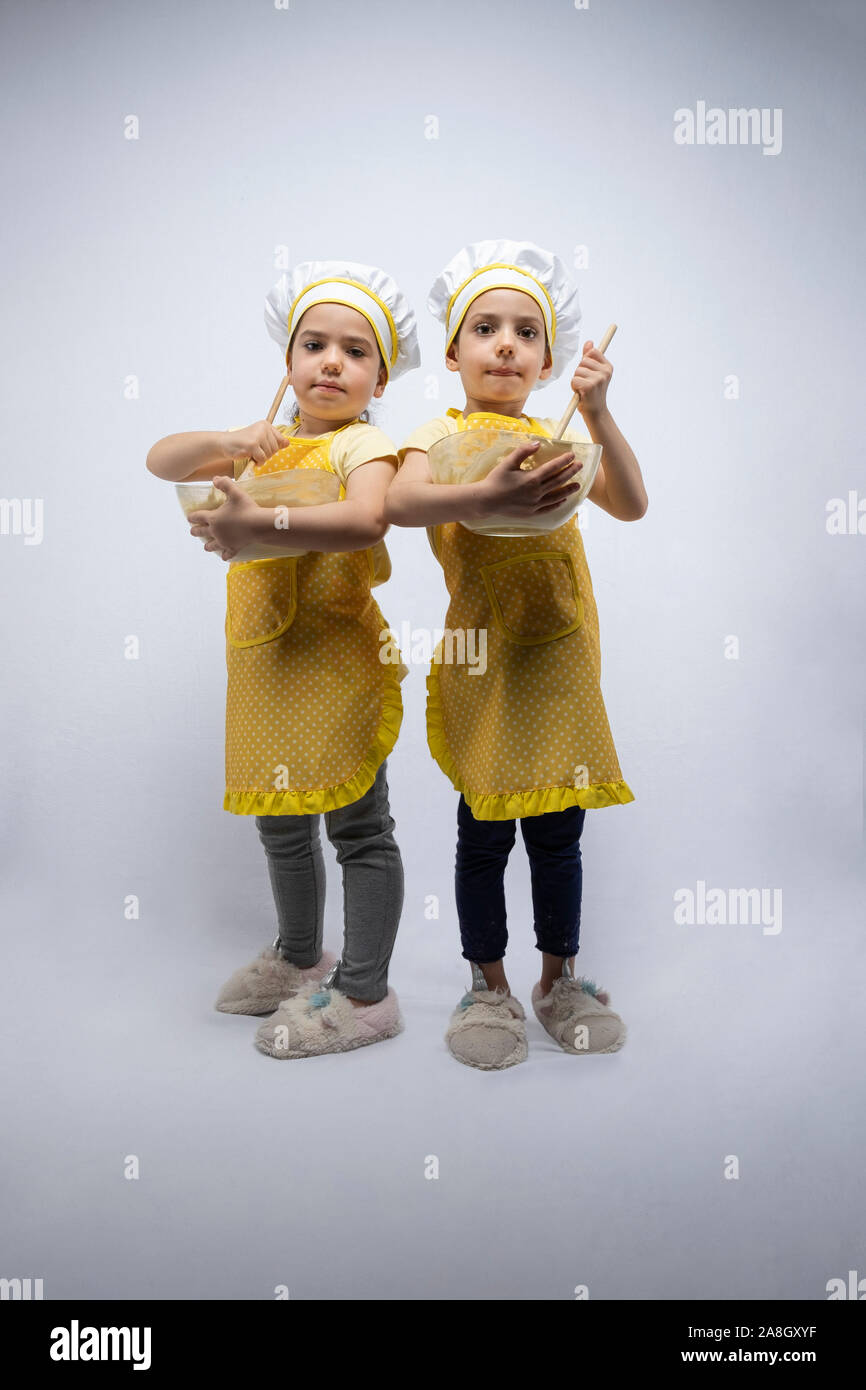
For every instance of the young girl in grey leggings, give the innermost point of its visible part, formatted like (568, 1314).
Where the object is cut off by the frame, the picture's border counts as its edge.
(312, 706)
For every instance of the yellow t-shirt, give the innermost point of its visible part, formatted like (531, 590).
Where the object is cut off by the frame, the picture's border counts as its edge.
(356, 444)
(426, 435)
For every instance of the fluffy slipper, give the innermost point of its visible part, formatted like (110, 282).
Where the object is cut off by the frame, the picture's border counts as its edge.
(488, 1030)
(577, 1015)
(260, 987)
(321, 1020)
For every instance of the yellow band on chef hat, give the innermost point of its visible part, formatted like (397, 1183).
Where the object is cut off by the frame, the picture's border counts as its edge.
(498, 276)
(341, 290)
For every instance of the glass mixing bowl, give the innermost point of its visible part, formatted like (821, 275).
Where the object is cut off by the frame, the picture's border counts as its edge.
(295, 487)
(469, 455)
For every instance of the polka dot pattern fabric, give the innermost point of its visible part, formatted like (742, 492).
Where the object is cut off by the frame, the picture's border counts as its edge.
(311, 711)
(531, 734)
(534, 598)
(313, 454)
(261, 603)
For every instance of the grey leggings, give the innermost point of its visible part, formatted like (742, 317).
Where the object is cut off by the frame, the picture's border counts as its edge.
(372, 888)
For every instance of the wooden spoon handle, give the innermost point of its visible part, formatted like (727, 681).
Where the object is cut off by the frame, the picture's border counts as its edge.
(279, 396)
(575, 400)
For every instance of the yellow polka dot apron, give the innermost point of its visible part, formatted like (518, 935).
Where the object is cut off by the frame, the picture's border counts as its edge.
(530, 734)
(311, 711)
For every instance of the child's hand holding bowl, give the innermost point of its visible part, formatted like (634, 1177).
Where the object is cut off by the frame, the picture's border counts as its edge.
(231, 526)
(511, 490)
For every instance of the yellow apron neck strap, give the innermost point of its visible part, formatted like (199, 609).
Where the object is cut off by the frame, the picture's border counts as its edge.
(315, 441)
(455, 414)
(328, 434)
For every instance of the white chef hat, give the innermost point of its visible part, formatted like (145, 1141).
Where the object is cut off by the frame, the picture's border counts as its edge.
(511, 265)
(363, 287)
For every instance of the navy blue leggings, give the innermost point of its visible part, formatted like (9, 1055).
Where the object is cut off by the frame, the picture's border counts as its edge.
(553, 846)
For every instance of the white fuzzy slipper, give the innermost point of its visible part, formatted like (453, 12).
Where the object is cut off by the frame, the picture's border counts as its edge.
(488, 1030)
(319, 1020)
(260, 987)
(577, 1015)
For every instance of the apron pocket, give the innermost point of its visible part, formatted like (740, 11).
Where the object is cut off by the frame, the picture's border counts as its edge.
(534, 597)
(262, 600)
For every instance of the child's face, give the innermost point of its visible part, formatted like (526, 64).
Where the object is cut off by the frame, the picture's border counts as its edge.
(501, 348)
(334, 362)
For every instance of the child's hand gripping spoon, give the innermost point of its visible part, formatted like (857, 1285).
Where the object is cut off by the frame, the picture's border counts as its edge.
(588, 477)
(575, 400)
(241, 465)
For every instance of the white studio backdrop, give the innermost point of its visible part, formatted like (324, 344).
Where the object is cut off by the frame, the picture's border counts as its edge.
(158, 175)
